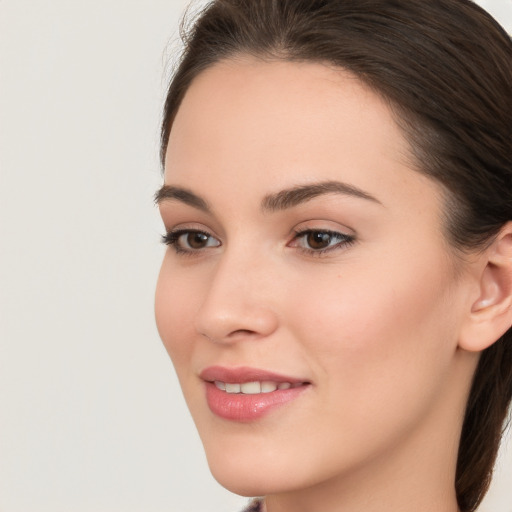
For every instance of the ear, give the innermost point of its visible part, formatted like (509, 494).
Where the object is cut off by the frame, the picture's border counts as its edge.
(491, 313)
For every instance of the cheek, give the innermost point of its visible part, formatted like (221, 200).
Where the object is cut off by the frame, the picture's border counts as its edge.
(380, 354)
(364, 310)
(380, 333)
(175, 301)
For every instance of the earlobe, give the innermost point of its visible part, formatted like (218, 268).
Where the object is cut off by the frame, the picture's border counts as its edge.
(491, 313)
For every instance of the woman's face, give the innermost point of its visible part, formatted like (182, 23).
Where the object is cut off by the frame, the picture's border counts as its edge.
(307, 273)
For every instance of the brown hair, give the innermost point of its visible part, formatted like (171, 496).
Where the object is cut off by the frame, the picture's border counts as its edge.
(445, 67)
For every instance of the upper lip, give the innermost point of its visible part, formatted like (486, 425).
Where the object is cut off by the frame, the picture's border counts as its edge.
(243, 374)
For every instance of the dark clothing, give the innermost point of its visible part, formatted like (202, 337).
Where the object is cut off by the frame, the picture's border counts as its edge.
(254, 506)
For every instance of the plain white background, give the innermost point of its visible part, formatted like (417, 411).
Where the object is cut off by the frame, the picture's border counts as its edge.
(91, 416)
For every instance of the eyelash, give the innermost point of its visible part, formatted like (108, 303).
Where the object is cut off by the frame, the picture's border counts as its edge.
(344, 240)
(172, 239)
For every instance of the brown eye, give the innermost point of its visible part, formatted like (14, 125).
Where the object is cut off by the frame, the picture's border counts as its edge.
(197, 240)
(190, 240)
(318, 239)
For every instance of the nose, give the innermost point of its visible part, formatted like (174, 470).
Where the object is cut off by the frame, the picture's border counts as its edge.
(238, 302)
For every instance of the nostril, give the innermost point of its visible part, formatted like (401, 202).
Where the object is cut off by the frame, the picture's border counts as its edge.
(242, 331)
(232, 336)
(243, 334)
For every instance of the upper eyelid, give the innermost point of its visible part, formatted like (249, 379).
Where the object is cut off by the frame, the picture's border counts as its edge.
(345, 239)
(177, 232)
(341, 232)
(191, 226)
(294, 233)
(323, 225)
(303, 232)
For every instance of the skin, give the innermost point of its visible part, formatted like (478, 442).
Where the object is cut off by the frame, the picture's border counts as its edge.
(374, 325)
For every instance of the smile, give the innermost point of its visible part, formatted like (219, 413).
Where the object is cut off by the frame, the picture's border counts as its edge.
(254, 388)
(245, 394)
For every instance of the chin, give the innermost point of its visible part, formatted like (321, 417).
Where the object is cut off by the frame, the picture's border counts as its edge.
(243, 474)
(249, 481)
(256, 474)
(242, 486)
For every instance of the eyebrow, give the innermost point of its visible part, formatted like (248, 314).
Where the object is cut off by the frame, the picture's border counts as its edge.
(170, 192)
(281, 200)
(302, 193)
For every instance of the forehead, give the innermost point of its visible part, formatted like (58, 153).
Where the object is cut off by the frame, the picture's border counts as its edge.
(280, 101)
(260, 126)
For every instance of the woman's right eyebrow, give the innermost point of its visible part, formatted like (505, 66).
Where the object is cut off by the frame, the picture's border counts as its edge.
(172, 192)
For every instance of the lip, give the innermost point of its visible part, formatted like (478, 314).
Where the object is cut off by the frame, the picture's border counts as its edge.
(247, 408)
(241, 374)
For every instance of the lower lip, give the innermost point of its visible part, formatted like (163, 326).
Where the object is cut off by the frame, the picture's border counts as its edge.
(245, 408)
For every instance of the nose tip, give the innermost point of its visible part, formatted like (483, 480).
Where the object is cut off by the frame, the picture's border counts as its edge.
(237, 304)
(229, 322)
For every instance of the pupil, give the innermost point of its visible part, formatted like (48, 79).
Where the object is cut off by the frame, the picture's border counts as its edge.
(318, 240)
(197, 240)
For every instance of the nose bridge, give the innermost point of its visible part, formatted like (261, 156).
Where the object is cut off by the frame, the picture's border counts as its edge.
(237, 301)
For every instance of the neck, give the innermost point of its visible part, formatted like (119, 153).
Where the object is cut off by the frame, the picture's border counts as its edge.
(392, 486)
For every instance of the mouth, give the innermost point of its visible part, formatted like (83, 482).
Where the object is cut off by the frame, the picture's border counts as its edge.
(255, 387)
(247, 394)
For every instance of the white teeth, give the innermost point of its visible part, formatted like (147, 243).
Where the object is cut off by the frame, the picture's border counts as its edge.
(268, 387)
(254, 388)
(232, 388)
(250, 388)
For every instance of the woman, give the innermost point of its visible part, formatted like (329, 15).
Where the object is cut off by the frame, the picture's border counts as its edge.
(337, 292)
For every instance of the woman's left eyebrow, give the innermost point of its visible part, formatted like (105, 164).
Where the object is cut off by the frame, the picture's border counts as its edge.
(302, 193)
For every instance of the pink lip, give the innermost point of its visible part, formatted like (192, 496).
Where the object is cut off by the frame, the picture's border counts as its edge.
(247, 408)
(243, 374)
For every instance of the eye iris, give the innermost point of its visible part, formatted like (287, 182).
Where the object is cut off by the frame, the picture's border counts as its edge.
(197, 240)
(318, 240)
